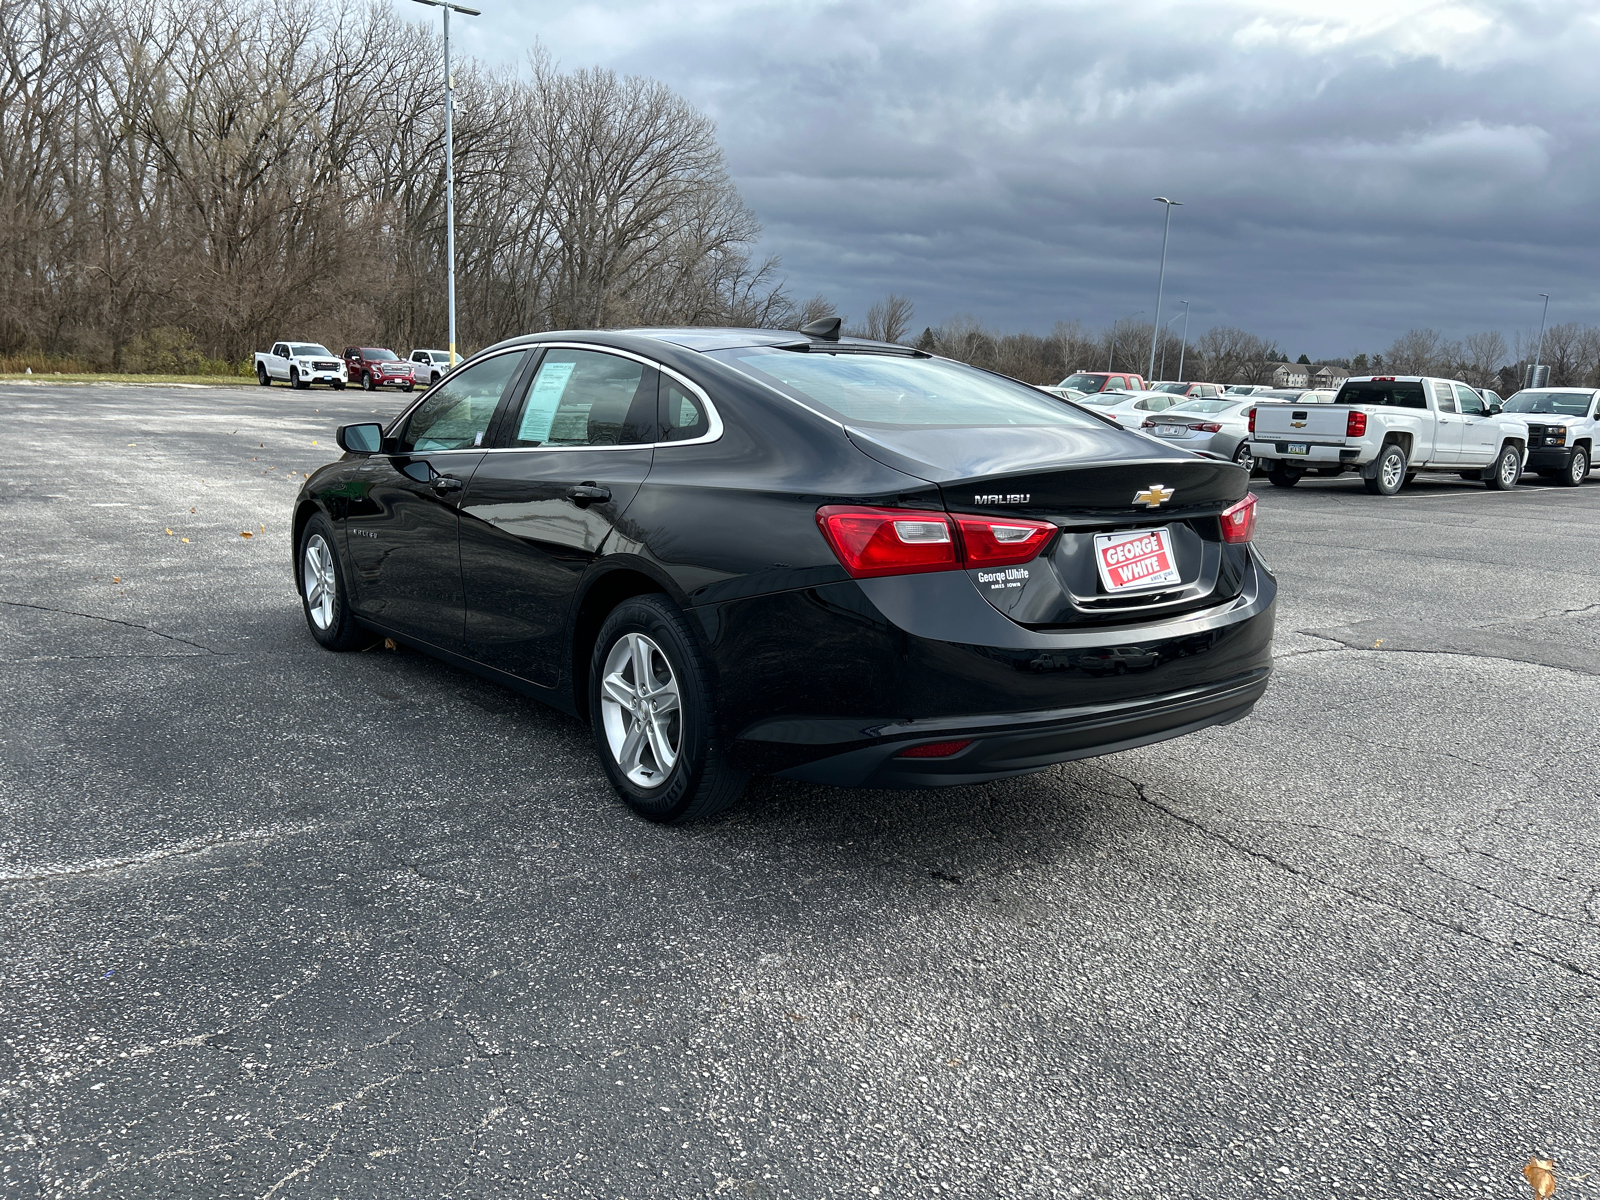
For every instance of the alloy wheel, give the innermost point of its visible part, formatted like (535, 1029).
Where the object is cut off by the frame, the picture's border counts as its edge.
(1510, 467)
(1394, 468)
(641, 709)
(319, 582)
(1244, 458)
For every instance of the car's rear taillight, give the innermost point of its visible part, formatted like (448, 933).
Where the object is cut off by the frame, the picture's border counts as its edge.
(871, 542)
(889, 541)
(1355, 425)
(1239, 522)
(1252, 416)
(990, 542)
(1207, 427)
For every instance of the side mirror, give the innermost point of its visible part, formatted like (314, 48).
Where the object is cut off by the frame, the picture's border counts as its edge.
(360, 439)
(1494, 409)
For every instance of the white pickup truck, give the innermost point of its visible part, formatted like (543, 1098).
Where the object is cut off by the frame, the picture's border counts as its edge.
(300, 364)
(1388, 427)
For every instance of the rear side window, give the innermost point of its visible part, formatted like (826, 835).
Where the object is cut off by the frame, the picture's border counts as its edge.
(891, 390)
(1389, 394)
(682, 415)
(456, 415)
(587, 398)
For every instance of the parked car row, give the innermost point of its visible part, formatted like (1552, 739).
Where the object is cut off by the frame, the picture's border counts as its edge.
(301, 364)
(1387, 428)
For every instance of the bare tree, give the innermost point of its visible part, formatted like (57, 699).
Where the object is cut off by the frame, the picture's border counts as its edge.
(1483, 354)
(889, 320)
(1415, 352)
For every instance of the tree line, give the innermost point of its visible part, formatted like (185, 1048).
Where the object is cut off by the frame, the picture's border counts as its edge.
(182, 180)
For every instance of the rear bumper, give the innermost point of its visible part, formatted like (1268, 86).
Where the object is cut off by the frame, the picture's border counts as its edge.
(910, 660)
(1020, 743)
(1317, 454)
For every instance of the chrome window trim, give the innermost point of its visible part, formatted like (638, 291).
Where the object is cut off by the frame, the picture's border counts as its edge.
(713, 417)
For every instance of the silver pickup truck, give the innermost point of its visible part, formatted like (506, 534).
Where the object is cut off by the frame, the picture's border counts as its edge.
(1386, 428)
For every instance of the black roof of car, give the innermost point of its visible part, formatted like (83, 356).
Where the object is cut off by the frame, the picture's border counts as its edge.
(705, 339)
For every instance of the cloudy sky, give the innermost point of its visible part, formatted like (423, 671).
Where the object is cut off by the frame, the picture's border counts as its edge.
(1348, 170)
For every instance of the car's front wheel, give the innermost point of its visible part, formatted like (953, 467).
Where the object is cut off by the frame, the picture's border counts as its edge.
(366, 382)
(653, 714)
(1577, 468)
(1506, 472)
(294, 380)
(322, 590)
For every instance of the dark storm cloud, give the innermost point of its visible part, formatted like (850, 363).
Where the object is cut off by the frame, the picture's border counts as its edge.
(1346, 175)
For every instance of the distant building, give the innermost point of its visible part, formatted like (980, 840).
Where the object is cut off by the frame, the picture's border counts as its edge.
(1325, 376)
(1275, 374)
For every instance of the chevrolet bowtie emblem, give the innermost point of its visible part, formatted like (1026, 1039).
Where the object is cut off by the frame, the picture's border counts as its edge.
(1297, 424)
(1155, 495)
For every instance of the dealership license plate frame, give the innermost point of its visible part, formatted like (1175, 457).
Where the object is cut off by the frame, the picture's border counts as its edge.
(1166, 577)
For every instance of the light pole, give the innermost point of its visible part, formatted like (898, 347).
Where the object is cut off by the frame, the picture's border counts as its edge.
(1164, 347)
(1533, 379)
(1161, 279)
(1184, 347)
(450, 164)
(1111, 356)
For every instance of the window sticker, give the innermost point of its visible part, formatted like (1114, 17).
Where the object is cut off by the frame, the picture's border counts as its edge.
(543, 400)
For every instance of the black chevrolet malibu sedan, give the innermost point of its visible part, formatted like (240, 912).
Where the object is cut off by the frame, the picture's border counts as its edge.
(839, 561)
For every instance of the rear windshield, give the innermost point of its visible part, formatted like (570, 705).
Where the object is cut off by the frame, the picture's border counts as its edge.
(1566, 404)
(1206, 406)
(1392, 395)
(1084, 383)
(873, 389)
(373, 354)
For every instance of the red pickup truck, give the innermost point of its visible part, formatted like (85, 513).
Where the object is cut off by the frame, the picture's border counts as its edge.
(374, 367)
(1098, 381)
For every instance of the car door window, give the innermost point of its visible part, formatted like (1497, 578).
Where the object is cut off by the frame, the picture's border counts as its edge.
(456, 415)
(586, 398)
(1471, 402)
(683, 416)
(1446, 402)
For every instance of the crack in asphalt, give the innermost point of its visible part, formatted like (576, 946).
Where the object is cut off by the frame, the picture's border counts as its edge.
(1206, 831)
(171, 637)
(185, 849)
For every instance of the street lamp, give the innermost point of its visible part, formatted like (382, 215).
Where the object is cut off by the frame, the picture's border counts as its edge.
(1533, 379)
(450, 164)
(1184, 313)
(1183, 348)
(1112, 354)
(1162, 278)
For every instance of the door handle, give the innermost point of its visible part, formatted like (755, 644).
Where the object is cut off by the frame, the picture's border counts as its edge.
(446, 483)
(585, 494)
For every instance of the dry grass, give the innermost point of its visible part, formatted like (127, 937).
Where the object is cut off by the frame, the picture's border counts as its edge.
(92, 377)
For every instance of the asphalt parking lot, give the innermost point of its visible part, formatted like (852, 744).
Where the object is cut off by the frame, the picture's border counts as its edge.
(282, 923)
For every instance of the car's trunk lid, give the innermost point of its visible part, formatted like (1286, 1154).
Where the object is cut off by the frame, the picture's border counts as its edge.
(1301, 422)
(1090, 483)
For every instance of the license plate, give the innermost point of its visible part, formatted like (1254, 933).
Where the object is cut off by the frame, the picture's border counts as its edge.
(1296, 448)
(1140, 559)
(1171, 430)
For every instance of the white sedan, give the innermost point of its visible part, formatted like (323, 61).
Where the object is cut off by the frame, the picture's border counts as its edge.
(1129, 409)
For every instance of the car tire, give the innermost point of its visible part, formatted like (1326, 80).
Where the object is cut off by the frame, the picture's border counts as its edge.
(406, 387)
(1282, 476)
(1388, 473)
(294, 380)
(1506, 472)
(1244, 458)
(320, 579)
(262, 377)
(698, 781)
(1577, 468)
(366, 382)
(338, 385)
